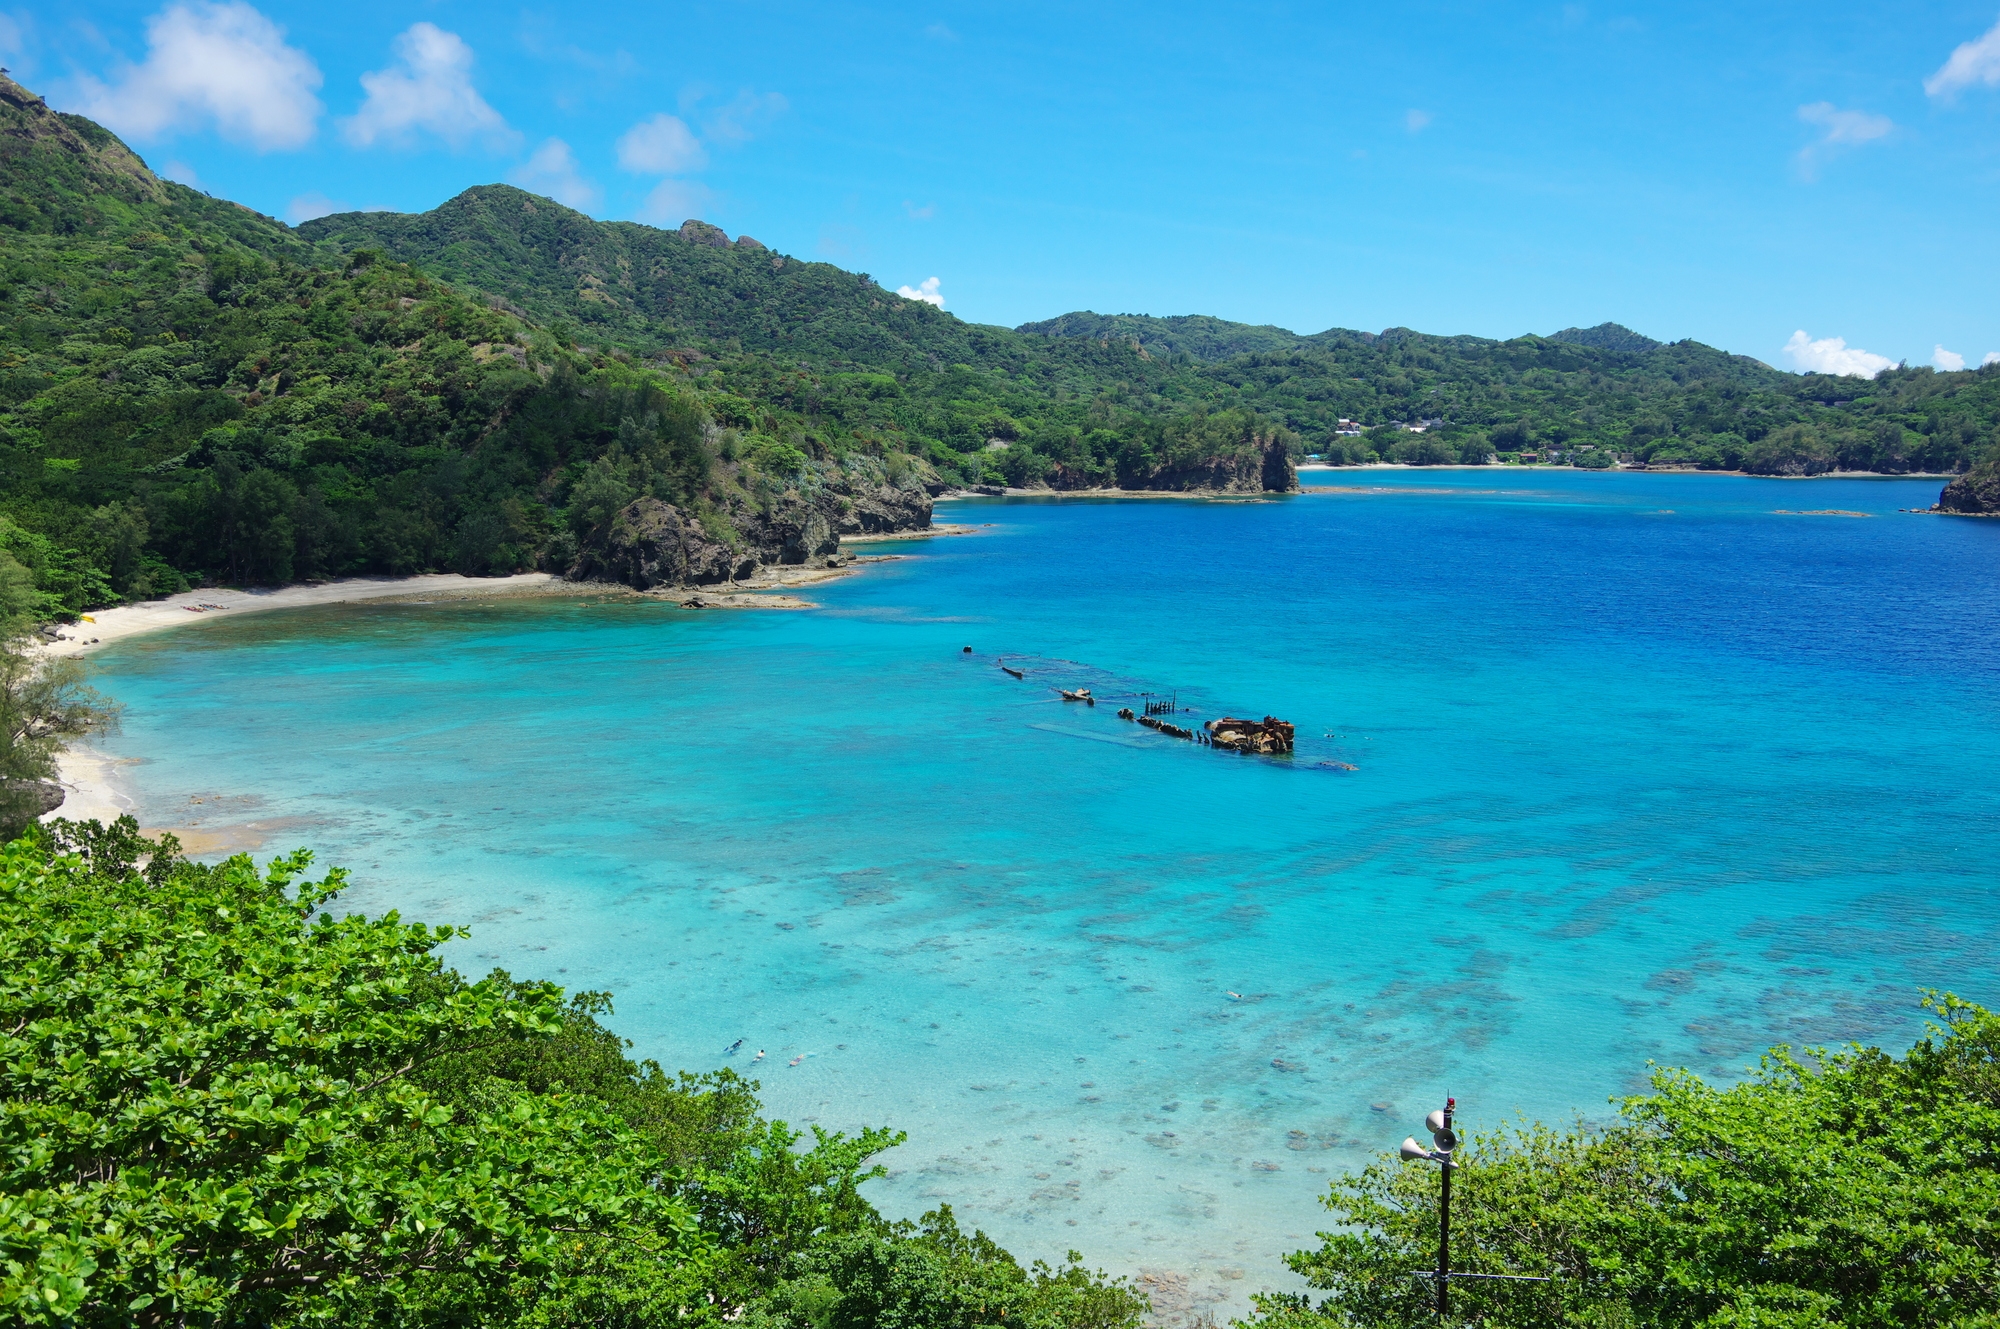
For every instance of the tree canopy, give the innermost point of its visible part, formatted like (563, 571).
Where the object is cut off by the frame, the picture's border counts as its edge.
(1845, 1187)
(221, 1104)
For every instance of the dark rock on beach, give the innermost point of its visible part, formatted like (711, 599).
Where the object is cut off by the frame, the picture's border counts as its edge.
(35, 798)
(650, 543)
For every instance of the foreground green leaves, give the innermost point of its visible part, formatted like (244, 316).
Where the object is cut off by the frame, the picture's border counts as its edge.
(1847, 1188)
(208, 1105)
(220, 1104)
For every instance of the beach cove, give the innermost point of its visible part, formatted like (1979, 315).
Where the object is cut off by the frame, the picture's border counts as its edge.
(1647, 768)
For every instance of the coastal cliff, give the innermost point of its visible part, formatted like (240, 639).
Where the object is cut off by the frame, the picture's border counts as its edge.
(1261, 465)
(1974, 494)
(652, 544)
(1265, 468)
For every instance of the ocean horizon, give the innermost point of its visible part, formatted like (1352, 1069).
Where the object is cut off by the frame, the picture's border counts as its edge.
(1646, 770)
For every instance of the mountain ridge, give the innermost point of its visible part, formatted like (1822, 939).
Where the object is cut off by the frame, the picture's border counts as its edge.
(190, 389)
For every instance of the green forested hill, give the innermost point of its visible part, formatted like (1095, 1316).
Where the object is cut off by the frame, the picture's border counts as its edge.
(1065, 393)
(631, 284)
(1605, 390)
(191, 390)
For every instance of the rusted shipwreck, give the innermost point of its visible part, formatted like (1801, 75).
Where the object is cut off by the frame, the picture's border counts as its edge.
(1166, 727)
(1269, 736)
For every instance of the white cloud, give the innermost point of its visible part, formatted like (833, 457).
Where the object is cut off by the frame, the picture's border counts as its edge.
(672, 202)
(926, 291)
(1949, 361)
(741, 120)
(663, 145)
(1977, 61)
(1992, 358)
(1415, 121)
(553, 171)
(1832, 355)
(428, 90)
(1846, 127)
(224, 64)
(181, 173)
(312, 204)
(1843, 129)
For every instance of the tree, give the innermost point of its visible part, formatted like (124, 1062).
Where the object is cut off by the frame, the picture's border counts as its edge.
(45, 704)
(1838, 1188)
(1425, 450)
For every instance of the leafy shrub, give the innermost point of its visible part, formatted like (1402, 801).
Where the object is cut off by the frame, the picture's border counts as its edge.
(1424, 450)
(1841, 1188)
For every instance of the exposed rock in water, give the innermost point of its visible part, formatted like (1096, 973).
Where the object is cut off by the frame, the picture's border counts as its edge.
(651, 543)
(1976, 493)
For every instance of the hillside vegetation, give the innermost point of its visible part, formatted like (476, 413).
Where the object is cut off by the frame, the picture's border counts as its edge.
(1069, 396)
(191, 391)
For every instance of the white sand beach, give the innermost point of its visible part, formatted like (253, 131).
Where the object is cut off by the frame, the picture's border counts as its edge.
(178, 611)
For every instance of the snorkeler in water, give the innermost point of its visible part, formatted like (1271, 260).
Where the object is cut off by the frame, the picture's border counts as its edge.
(730, 1051)
(759, 1056)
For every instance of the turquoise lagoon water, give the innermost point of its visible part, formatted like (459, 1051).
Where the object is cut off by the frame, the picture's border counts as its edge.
(1647, 772)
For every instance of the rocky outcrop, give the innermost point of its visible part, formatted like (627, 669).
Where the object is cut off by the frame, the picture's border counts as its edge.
(1266, 470)
(650, 543)
(876, 508)
(703, 233)
(1974, 494)
(23, 801)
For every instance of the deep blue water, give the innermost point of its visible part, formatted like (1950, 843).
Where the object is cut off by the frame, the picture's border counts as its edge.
(1647, 772)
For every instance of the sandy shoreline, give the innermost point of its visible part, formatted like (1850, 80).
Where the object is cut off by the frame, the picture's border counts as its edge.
(177, 611)
(96, 788)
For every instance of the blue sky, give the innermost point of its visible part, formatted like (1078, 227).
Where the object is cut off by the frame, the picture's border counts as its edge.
(1735, 173)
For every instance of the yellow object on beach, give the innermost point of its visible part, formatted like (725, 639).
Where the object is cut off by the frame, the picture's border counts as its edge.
(87, 618)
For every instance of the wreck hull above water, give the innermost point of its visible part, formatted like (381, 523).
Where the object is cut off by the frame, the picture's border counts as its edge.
(1270, 737)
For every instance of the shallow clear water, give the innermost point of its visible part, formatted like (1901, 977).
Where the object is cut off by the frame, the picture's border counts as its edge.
(1646, 771)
